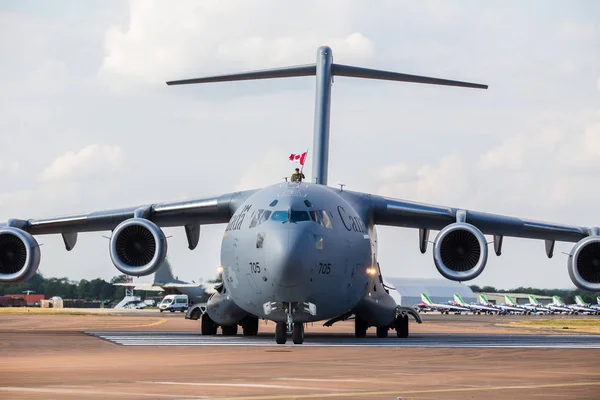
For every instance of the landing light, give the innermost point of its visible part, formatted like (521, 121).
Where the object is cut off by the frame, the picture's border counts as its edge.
(219, 269)
(371, 271)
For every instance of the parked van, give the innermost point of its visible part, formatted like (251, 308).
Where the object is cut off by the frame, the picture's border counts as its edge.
(174, 302)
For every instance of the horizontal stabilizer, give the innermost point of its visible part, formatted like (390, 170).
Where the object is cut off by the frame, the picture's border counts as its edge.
(358, 72)
(286, 72)
(336, 69)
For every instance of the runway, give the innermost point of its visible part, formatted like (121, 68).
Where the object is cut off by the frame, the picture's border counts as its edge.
(130, 338)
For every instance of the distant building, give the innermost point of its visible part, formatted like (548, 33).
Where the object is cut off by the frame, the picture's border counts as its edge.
(520, 298)
(408, 290)
(31, 299)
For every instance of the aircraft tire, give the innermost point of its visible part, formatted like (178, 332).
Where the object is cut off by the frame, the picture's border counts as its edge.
(280, 333)
(229, 330)
(360, 327)
(298, 333)
(382, 331)
(402, 326)
(250, 326)
(207, 325)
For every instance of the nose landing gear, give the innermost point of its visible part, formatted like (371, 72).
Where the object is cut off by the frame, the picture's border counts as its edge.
(295, 328)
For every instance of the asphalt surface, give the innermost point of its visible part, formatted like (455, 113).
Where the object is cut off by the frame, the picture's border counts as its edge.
(446, 357)
(344, 340)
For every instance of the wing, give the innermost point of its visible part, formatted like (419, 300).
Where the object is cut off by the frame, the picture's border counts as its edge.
(460, 248)
(189, 213)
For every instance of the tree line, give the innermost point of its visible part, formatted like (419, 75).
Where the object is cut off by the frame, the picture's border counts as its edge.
(567, 295)
(96, 289)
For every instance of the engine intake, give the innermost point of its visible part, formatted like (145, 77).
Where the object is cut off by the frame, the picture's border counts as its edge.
(460, 252)
(138, 247)
(19, 255)
(584, 264)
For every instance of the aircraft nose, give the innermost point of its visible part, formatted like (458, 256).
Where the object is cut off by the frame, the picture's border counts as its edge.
(288, 253)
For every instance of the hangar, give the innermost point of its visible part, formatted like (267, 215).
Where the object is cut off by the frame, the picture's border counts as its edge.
(519, 298)
(408, 290)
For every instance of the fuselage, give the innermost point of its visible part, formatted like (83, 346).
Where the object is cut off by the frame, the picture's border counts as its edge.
(297, 243)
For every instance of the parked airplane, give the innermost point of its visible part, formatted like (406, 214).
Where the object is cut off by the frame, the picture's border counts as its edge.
(558, 306)
(475, 308)
(581, 307)
(300, 252)
(165, 282)
(442, 308)
(535, 306)
(597, 305)
(511, 307)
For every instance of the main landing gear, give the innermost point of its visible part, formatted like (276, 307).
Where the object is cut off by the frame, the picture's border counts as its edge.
(400, 325)
(209, 327)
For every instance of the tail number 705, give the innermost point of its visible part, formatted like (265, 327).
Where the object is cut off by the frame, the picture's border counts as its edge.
(324, 268)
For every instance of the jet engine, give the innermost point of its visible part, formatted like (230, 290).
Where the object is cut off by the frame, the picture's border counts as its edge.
(460, 252)
(584, 264)
(138, 247)
(19, 255)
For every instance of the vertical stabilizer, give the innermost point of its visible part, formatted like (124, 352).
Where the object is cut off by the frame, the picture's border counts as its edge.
(483, 300)
(425, 299)
(557, 301)
(598, 300)
(509, 300)
(164, 274)
(579, 301)
(322, 112)
(533, 300)
(458, 300)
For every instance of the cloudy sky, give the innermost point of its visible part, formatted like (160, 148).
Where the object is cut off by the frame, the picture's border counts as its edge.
(87, 123)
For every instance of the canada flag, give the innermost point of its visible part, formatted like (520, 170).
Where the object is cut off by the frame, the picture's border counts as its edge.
(299, 158)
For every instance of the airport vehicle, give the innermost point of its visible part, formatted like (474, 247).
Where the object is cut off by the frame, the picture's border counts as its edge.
(300, 252)
(441, 307)
(558, 306)
(476, 308)
(165, 282)
(581, 307)
(174, 302)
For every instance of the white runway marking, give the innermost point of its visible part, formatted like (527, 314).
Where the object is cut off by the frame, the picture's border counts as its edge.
(422, 340)
(246, 385)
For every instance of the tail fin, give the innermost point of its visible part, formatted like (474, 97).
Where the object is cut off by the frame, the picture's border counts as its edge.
(557, 301)
(425, 299)
(533, 300)
(483, 300)
(509, 300)
(458, 300)
(579, 300)
(598, 300)
(164, 274)
(325, 70)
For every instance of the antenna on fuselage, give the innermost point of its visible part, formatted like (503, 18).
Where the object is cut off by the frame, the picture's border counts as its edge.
(325, 70)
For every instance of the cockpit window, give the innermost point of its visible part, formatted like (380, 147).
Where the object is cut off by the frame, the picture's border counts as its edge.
(274, 203)
(308, 203)
(322, 218)
(281, 216)
(259, 217)
(299, 216)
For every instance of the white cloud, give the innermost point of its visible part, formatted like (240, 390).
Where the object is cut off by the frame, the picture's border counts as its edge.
(259, 173)
(445, 182)
(508, 155)
(164, 40)
(92, 160)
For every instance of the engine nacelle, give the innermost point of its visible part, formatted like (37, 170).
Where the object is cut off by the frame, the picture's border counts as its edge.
(460, 252)
(138, 247)
(19, 255)
(584, 264)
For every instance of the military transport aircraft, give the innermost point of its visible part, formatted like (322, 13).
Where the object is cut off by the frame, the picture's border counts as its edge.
(299, 252)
